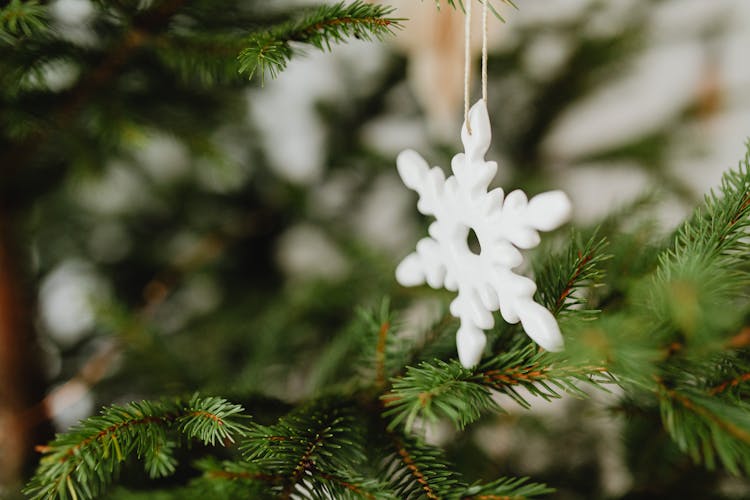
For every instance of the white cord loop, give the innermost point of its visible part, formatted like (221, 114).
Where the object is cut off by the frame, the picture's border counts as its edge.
(467, 63)
(467, 58)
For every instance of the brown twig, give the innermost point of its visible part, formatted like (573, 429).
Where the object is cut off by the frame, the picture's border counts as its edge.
(515, 375)
(413, 468)
(583, 260)
(306, 33)
(112, 429)
(305, 463)
(731, 383)
(688, 404)
(529, 374)
(742, 339)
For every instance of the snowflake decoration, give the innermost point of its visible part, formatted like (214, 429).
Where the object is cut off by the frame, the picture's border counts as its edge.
(503, 224)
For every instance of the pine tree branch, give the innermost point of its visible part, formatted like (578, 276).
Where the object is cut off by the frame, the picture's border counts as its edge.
(718, 230)
(564, 273)
(741, 340)
(304, 464)
(440, 389)
(270, 51)
(707, 428)
(417, 470)
(415, 465)
(437, 389)
(21, 18)
(706, 268)
(416, 473)
(82, 462)
(506, 489)
(195, 57)
(308, 447)
(730, 383)
(714, 418)
(349, 486)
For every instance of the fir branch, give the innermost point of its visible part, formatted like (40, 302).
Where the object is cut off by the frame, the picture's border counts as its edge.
(81, 463)
(719, 229)
(741, 340)
(706, 268)
(417, 470)
(561, 276)
(437, 389)
(308, 448)
(724, 374)
(708, 429)
(22, 18)
(356, 489)
(208, 59)
(440, 389)
(270, 51)
(730, 383)
(506, 489)
(380, 348)
(232, 479)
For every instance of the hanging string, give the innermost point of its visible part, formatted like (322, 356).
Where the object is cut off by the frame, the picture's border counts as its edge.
(484, 49)
(467, 64)
(467, 58)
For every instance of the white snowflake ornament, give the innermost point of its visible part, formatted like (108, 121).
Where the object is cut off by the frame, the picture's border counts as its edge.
(503, 224)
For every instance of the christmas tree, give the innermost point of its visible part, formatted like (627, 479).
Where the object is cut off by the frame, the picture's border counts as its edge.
(201, 220)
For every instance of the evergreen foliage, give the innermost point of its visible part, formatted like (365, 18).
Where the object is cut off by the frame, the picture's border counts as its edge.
(269, 51)
(562, 274)
(671, 334)
(82, 462)
(19, 19)
(661, 322)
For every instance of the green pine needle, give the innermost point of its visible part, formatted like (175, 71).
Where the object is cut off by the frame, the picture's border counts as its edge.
(81, 463)
(708, 429)
(270, 51)
(315, 448)
(707, 267)
(447, 390)
(562, 276)
(415, 469)
(438, 389)
(20, 18)
(508, 488)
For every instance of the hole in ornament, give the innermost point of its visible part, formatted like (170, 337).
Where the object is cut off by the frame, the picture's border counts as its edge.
(473, 242)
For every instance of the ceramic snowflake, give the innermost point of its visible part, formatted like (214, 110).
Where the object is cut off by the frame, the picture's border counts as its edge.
(485, 282)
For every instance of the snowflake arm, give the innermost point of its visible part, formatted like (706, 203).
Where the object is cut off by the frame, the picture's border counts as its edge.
(503, 225)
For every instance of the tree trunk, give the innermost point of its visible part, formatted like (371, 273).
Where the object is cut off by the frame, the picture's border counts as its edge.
(21, 382)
